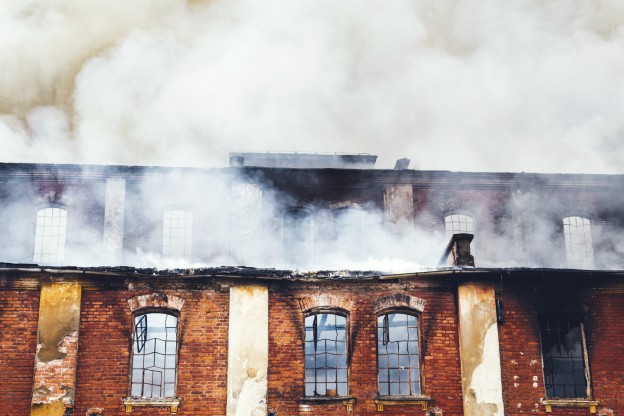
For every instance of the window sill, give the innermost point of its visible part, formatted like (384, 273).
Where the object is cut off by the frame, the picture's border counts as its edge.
(171, 402)
(382, 401)
(348, 401)
(550, 403)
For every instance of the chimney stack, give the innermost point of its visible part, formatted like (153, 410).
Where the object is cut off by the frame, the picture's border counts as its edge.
(457, 252)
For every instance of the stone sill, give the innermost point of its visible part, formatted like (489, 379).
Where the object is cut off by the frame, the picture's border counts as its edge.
(382, 401)
(171, 402)
(550, 403)
(348, 401)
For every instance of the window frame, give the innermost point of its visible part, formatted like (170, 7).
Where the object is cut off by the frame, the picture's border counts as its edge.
(588, 262)
(421, 361)
(356, 230)
(58, 258)
(586, 368)
(169, 258)
(338, 312)
(158, 400)
(465, 214)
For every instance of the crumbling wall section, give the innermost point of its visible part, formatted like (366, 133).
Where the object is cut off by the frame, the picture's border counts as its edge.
(57, 348)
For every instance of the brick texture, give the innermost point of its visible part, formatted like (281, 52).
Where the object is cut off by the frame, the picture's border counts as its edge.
(18, 325)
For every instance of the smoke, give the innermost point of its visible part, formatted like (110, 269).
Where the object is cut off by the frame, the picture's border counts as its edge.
(480, 85)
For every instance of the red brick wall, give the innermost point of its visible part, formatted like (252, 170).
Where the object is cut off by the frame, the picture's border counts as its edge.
(442, 380)
(105, 342)
(19, 312)
(521, 361)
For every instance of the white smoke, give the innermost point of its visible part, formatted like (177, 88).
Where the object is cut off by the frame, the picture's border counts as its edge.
(479, 85)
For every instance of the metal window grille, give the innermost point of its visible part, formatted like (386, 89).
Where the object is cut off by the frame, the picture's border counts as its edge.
(297, 237)
(154, 355)
(563, 354)
(458, 224)
(578, 242)
(177, 243)
(326, 369)
(50, 235)
(398, 355)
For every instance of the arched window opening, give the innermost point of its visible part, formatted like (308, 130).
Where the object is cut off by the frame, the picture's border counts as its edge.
(398, 355)
(564, 356)
(50, 235)
(154, 355)
(326, 372)
(348, 231)
(458, 224)
(177, 242)
(578, 242)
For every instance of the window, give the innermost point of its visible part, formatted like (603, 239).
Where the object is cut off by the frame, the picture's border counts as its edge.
(398, 355)
(578, 242)
(154, 355)
(50, 235)
(297, 236)
(458, 224)
(177, 235)
(326, 355)
(563, 354)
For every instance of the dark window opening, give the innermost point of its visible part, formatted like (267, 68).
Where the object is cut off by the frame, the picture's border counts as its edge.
(154, 355)
(326, 355)
(563, 353)
(398, 355)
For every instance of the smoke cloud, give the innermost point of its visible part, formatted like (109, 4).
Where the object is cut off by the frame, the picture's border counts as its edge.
(479, 85)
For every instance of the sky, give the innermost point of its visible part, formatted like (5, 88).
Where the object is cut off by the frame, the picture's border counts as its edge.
(480, 85)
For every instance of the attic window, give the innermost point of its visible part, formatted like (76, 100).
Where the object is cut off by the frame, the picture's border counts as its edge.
(578, 242)
(458, 224)
(177, 243)
(50, 235)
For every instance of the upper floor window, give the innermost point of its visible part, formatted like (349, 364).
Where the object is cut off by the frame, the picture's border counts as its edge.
(154, 355)
(326, 371)
(50, 235)
(297, 236)
(578, 242)
(177, 243)
(398, 355)
(566, 373)
(458, 224)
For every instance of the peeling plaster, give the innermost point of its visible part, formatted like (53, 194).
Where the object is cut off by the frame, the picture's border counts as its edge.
(479, 351)
(248, 351)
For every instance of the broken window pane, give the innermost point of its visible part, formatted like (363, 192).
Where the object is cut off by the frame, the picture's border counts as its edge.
(177, 243)
(398, 356)
(564, 356)
(578, 242)
(154, 355)
(326, 355)
(50, 235)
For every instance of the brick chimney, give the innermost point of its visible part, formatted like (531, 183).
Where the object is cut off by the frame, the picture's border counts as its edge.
(457, 252)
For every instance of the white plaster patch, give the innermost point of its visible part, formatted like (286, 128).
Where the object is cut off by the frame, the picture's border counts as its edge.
(486, 378)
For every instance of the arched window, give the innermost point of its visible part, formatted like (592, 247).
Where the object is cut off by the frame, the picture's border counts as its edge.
(297, 236)
(564, 356)
(50, 235)
(177, 242)
(154, 355)
(326, 372)
(398, 355)
(458, 224)
(578, 242)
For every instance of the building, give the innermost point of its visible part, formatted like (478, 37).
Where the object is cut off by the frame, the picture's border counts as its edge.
(345, 291)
